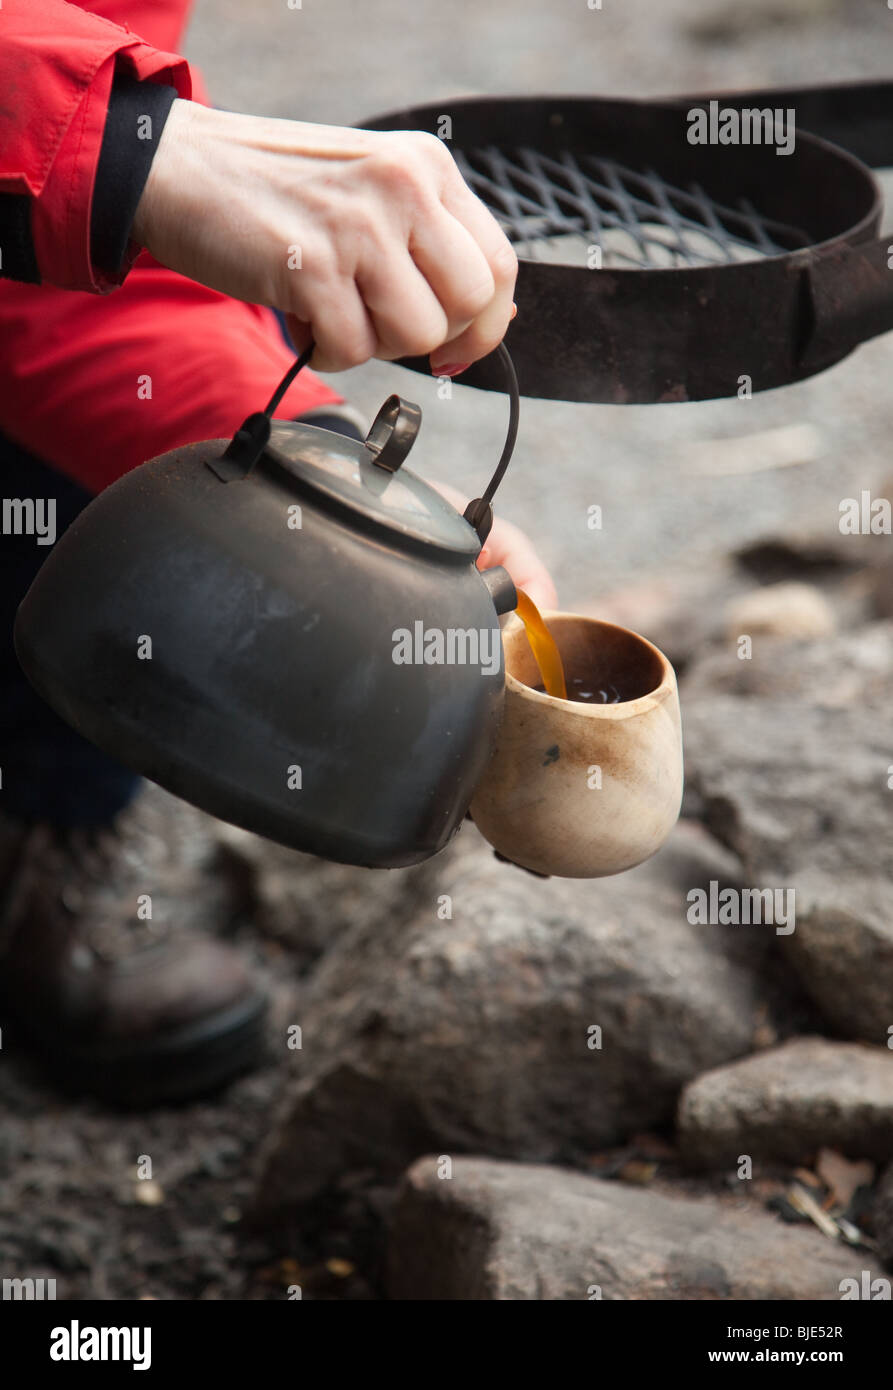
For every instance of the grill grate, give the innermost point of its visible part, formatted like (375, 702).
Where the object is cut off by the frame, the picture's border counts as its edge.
(556, 208)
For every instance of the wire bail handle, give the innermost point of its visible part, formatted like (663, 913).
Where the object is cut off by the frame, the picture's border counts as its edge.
(389, 438)
(479, 513)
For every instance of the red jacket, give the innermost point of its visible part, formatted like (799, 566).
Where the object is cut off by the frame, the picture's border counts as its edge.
(95, 379)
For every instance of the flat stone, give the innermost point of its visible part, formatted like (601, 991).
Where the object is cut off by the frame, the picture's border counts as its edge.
(842, 949)
(800, 792)
(853, 667)
(786, 1103)
(479, 1031)
(531, 1232)
(789, 785)
(792, 610)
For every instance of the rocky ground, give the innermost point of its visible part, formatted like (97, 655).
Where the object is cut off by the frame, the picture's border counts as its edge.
(446, 1130)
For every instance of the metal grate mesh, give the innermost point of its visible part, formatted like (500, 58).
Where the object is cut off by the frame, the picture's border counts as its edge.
(559, 207)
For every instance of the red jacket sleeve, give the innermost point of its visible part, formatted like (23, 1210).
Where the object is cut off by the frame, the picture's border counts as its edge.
(57, 63)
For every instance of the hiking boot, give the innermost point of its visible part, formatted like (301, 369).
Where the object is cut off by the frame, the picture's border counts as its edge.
(104, 969)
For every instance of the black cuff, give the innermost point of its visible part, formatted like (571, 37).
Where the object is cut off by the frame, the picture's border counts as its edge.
(17, 258)
(136, 117)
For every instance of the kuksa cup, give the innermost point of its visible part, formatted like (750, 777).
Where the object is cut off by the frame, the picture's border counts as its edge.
(582, 790)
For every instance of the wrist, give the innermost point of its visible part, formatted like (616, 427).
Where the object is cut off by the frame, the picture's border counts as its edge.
(159, 191)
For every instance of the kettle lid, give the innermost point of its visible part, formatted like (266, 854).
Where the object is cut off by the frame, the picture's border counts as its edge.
(367, 477)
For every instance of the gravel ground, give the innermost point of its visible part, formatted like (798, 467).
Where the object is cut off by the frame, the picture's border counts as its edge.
(68, 1203)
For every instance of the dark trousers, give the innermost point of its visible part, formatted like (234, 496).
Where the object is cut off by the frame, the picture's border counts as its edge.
(48, 771)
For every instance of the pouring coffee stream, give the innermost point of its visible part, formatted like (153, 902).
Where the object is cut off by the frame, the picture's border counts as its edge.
(543, 646)
(586, 687)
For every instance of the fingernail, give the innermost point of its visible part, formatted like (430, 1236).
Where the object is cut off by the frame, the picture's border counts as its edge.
(451, 368)
(513, 313)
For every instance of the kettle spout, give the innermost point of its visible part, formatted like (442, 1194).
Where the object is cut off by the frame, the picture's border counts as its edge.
(502, 589)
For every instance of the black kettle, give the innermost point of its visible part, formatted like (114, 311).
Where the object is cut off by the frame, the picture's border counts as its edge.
(288, 630)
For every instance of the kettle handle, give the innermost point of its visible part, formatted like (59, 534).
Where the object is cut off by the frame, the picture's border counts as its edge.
(390, 438)
(253, 436)
(479, 512)
(400, 422)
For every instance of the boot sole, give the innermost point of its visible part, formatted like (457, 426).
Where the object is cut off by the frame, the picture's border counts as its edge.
(182, 1065)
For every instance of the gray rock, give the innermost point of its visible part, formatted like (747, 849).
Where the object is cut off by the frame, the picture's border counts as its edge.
(845, 568)
(472, 1033)
(842, 949)
(882, 574)
(784, 1104)
(882, 591)
(789, 610)
(800, 792)
(512, 1231)
(882, 587)
(813, 550)
(790, 785)
(851, 668)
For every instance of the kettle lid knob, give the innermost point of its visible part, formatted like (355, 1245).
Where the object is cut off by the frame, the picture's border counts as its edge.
(393, 431)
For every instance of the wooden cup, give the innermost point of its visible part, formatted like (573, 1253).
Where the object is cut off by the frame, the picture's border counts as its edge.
(582, 790)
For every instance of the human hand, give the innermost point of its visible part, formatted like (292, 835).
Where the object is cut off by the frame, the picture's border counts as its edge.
(509, 546)
(369, 241)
